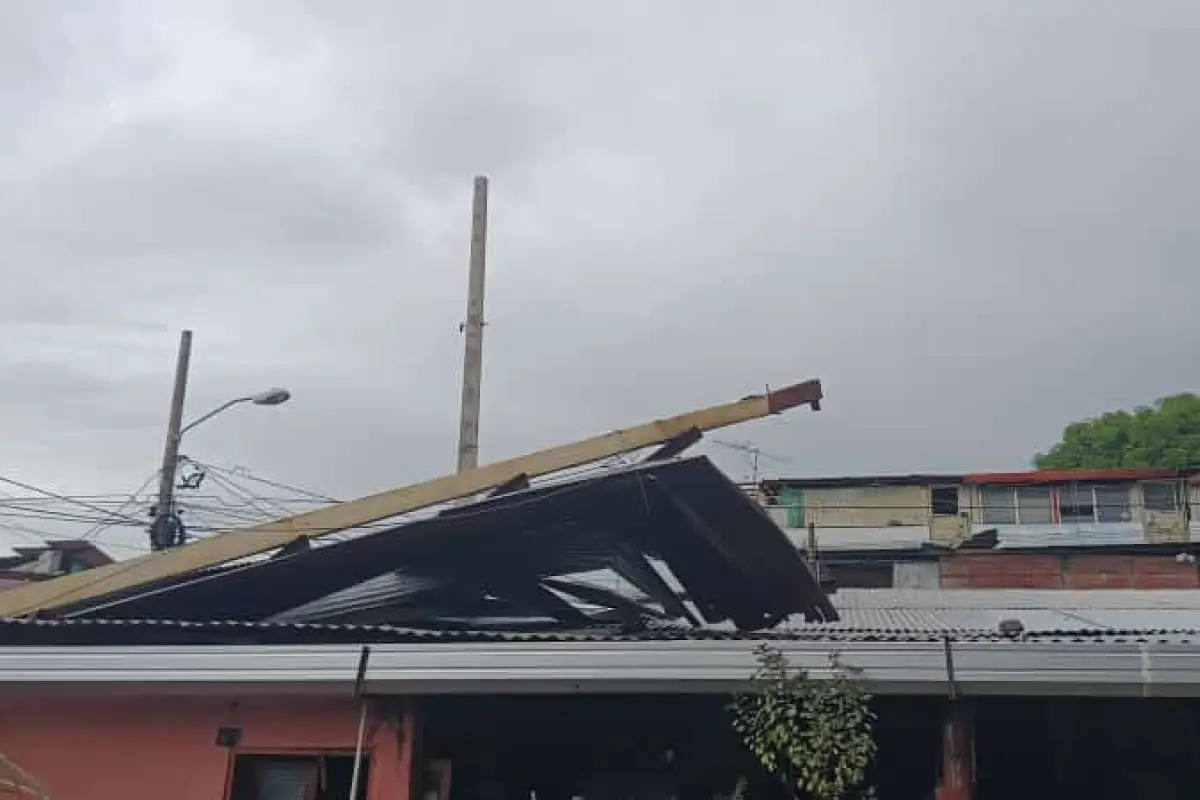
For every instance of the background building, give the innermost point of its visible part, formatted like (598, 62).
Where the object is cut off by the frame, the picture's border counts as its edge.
(1117, 528)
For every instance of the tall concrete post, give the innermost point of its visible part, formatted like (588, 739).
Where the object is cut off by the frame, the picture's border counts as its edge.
(165, 530)
(468, 428)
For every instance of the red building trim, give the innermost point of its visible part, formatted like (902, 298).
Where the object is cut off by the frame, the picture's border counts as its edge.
(1072, 475)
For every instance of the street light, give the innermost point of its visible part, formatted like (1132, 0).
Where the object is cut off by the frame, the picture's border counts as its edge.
(167, 530)
(271, 397)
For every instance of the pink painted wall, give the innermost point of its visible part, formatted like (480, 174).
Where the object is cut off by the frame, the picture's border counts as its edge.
(138, 748)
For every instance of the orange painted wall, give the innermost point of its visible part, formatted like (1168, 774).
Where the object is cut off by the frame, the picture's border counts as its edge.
(139, 748)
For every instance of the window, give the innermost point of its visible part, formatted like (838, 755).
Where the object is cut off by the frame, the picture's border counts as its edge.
(1112, 502)
(1160, 496)
(1035, 505)
(999, 505)
(944, 501)
(1076, 504)
(1100, 502)
(322, 777)
(792, 498)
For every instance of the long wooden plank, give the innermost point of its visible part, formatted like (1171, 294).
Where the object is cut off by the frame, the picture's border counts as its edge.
(236, 544)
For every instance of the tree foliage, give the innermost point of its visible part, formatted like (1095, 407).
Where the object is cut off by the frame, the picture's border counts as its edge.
(1165, 435)
(815, 735)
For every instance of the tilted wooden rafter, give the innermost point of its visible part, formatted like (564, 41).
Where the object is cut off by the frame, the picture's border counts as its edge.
(218, 549)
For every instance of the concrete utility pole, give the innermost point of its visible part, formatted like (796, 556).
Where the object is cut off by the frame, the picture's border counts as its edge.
(166, 530)
(468, 426)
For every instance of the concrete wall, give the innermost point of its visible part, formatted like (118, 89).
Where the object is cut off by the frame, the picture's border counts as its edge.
(137, 748)
(866, 517)
(868, 506)
(853, 507)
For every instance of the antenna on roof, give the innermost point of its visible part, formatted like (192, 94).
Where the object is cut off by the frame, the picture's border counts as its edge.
(755, 454)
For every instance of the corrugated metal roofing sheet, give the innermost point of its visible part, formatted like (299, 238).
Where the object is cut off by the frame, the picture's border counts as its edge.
(1067, 534)
(866, 615)
(905, 626)
(1040, 612)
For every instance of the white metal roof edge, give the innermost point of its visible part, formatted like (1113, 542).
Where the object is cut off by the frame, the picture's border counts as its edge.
(1128, 668)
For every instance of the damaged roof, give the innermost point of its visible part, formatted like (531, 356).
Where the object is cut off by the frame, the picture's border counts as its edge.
(866, 615)
(513, 562)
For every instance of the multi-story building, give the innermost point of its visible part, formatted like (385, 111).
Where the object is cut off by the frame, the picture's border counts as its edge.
(1049, 527)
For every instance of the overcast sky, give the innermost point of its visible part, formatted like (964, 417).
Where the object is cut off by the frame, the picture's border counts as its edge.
(975, 222)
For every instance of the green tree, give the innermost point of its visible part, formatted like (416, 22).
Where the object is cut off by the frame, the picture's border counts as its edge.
(1166, 435)
(815, 735)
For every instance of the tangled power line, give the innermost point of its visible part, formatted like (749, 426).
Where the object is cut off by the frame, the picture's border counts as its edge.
(212, 498)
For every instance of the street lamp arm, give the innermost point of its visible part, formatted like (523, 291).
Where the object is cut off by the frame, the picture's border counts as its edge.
(206, 417)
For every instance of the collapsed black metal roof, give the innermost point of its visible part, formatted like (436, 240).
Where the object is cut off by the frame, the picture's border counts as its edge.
(515, 561)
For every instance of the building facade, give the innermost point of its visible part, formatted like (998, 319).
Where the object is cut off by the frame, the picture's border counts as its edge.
(60, 557)
(1128, 528)
(139, 712)
(95, 745)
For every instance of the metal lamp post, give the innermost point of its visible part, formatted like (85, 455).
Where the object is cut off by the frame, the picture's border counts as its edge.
(167, 530)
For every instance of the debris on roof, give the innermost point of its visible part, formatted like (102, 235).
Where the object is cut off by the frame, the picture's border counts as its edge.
(513, 562)
(671, 435)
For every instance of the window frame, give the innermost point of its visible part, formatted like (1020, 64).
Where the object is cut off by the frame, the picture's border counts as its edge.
(1010, 491)
(933, 503)
(1092, 490)
(1068, 491)
(1176, 500)
(1126, 504)
(1057, 495)
(1017, 490)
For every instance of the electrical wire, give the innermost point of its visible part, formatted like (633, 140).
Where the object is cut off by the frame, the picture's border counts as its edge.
(251, 508)
(106, 512)
(241, 512)
(33, 534)
(310, 533)
(243, 472)
(70, 500)
(97, 529)
(237, 491)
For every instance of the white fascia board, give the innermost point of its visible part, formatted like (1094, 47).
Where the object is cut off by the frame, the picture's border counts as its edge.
(980, 668)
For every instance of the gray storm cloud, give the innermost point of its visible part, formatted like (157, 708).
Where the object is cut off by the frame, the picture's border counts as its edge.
(973, 226)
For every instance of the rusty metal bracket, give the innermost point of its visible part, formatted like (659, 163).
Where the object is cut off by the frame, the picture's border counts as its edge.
(952, 682)
(798, 394)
